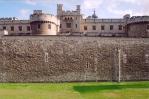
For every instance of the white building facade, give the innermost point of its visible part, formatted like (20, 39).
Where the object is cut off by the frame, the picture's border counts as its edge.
(72, 23)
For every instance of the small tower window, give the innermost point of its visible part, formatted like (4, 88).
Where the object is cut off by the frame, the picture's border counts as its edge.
(68, 25)
(20, 28)
(76, 25)
(102, 27)
(85, 27)
(94, 27)
(38, 26)
(120, 27)
(49, 26)
(12, 28)
(4, 27)
(111, 27)
(28, 28)
(60, 25)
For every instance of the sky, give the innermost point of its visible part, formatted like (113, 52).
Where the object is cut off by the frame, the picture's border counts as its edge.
(104, 8)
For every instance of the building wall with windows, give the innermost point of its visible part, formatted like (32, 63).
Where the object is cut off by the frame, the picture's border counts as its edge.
(73, 23)
(103, 27)
(14, 27)
(39, 24)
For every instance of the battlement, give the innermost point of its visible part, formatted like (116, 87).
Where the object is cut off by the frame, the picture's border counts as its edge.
(137, 19)
(8, 19)
(60, 10)
(103, 20)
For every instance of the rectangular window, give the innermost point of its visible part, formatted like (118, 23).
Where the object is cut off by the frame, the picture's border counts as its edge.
(12, 28)
(38, 26)
(49, 26)
(120, 27)
(85, 27)
(20, 28)
(60, 25)
(111, 27)
(148, 27)
(94, 27)
(68, 25)
(76, 25)
(4, 27)
(102, 27)
(28, 28)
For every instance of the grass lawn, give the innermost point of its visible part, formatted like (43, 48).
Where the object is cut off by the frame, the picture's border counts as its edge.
(89, 90)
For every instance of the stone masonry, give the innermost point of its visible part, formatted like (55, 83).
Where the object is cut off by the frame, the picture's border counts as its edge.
(67, 59)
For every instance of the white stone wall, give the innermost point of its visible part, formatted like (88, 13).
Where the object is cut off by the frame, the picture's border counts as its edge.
(98, 27)
(15, 23)
(80, 22)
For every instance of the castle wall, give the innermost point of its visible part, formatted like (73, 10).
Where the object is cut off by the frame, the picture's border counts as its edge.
(138, 29)
(60, 59)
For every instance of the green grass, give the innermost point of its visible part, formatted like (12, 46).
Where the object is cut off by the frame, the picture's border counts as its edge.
(92, 90)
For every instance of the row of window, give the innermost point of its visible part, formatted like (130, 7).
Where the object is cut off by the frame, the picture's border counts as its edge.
(20, 28)
(49, 26)
(120, 27)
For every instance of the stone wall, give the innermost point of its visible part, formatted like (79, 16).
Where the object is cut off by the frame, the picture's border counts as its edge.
(60, 59)
(138, 29)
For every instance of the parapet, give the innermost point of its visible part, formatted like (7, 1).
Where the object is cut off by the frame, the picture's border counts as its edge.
(138, 19)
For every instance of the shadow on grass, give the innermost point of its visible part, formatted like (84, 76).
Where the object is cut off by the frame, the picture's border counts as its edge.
(95, 88)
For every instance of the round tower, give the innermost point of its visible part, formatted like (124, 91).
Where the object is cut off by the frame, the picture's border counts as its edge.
(138, 26)
(44, 24)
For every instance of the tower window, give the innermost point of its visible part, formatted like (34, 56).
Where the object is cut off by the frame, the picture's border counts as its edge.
(94, 27)
(38, 26)
(111, 27)
(85, 27)
(28, 28)
(102, 27)
(68, 25)
(60, 25)
(120, 27)
(12, 28)
(4, 27)
(49, 26)
(20, 28)
(76, 25)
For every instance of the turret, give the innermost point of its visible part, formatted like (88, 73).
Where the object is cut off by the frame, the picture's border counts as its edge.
(44, 24)
(59, 9)
(78, 8)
